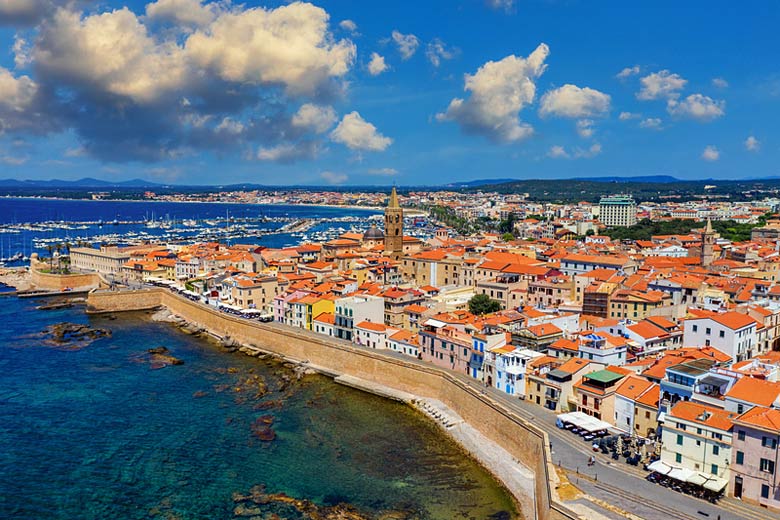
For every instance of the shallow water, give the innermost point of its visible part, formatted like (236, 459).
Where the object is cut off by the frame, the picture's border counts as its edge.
(97, 433)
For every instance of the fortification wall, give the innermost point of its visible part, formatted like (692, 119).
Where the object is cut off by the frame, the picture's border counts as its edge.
(524, 441)
(60, 282)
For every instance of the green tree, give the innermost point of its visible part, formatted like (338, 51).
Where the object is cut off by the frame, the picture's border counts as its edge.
(481, 304)
(507, 237)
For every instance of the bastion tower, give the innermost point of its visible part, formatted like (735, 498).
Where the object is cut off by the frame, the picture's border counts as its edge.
(394, 228)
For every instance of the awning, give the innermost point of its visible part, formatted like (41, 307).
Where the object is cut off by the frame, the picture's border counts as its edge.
(660, 466)
(715, 484)
(434, 323)
(698, 479)
(680, 474)
(584, 421)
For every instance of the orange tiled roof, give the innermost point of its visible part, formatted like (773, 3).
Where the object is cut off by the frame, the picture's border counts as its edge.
(756, 391)
(761, 417)
(694, 412)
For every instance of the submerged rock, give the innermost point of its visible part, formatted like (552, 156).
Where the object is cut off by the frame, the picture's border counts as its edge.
(74, 335)
(160, 357)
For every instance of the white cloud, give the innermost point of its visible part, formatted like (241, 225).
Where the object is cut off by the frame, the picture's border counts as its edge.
(289, 45)
(314, 117)
(719, 83)
(652, 123)
(17, 103)
(573, 101)
(625, 116)
(230, 126)
(752, 144)
(358, 134)
(659, 85)
(710, 153)
(13, 160)
(288, 152)
(499, 91)
(377, 64)
(24, 12)
(111, 52)
(627, 72)
(348, 25)
(504, 5)
(558, 152)
(696, 106)
(191, 13)
(383, 171)
(407, 44)
(585, 128)
(334, 178)
(438, 51)
(75, 152)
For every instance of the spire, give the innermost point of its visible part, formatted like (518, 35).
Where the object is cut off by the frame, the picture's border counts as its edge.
(708, 229)
(393, 203)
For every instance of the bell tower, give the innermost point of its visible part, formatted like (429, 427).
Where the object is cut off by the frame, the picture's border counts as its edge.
(707, 245)
(394, 228)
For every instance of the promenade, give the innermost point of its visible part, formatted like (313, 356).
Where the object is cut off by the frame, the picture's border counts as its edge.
(607, 482)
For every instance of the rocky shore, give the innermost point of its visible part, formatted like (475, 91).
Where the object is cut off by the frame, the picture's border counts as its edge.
(73, 335)
(16, 277)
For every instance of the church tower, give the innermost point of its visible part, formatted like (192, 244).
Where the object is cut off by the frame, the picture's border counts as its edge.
(707, 245)
(394, 228)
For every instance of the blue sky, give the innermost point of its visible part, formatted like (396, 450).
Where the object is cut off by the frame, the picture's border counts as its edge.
(191, 92)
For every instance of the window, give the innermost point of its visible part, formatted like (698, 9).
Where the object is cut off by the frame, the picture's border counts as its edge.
(741, 435)
(714, 469)
(677, 458)
(718, 436)
(707, 331)
(740, 409)
(767, 466)
(715, 449)
(740, 458)
(768, 442)
(722, 334)
(764, 491)
(695, 328)
(679, 440)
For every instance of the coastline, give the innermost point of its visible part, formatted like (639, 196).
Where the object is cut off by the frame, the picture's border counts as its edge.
(525, 444)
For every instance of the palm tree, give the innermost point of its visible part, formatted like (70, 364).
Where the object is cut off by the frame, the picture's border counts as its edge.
(50, 248)
(59, 258)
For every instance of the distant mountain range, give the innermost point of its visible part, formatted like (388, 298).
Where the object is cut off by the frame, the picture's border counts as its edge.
(87, 182)
(661, 179)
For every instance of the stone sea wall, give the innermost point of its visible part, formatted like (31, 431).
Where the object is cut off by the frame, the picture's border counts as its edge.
(60, 282)
(525, 442)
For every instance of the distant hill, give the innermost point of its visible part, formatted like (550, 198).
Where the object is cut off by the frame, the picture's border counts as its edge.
(87, 182)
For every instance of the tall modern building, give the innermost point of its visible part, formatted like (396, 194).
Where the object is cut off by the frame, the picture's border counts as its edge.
(617, 211)
(394, 228)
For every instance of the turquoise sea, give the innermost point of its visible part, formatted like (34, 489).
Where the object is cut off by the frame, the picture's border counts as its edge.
(97, 433)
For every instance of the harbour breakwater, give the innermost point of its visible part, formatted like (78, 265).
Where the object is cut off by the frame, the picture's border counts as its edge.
(525, 442)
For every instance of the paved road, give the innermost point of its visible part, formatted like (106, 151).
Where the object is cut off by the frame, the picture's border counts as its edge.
(611, 481)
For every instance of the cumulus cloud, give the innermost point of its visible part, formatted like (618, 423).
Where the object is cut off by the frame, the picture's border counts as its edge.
(696, 106)
(628, 72)
(437, 51)
(559, 152)
(24, 12)
(358, 134)
(651, 123)
(383, 171)
(348, 25)
(377, 64)
(288, 153)
(314, 117)
(626, 116)
(407, 44)
(585, 128)
(573, 101)
(719, 83)
(661, 85)
(334, 178)
(289, 45)
(225, 76)
(190, 13)
(710, 154)
(752, 144)
(499, 90)
(503, 5)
